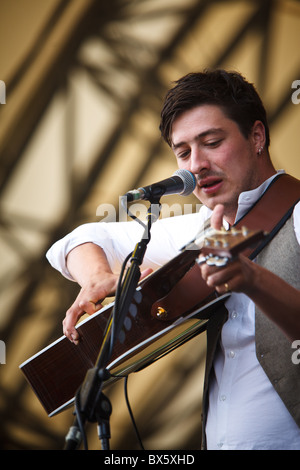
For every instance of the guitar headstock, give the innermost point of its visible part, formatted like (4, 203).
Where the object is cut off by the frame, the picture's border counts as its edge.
(223, 245)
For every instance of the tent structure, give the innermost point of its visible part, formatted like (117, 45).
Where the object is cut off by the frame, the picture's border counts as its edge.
(80, 93)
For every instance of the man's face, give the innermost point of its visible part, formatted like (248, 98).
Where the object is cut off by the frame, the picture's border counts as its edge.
(213, 148)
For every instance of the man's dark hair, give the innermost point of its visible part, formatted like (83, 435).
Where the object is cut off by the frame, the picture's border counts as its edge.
(230, 91)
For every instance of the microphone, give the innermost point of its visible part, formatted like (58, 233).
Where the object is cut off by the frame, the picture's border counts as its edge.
(182, 182)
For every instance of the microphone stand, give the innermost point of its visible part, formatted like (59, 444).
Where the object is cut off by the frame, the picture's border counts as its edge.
(90, 402)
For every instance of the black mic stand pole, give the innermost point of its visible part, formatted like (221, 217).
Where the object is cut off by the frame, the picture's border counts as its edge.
(90, 403)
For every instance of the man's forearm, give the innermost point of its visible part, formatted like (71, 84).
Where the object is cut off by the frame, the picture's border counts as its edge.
(86, 261)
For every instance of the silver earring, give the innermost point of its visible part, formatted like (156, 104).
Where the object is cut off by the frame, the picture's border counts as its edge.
(259, 152)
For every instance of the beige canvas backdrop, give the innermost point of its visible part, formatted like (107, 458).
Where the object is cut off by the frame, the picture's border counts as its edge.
(79, 128)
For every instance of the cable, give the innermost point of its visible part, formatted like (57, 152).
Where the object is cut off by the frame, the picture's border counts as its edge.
(79, 420)
(120, 281)
(135, 255)
(131, 413)
(129, 213)
(116, 304)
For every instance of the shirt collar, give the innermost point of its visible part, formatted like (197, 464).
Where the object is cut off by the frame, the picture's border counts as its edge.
(248, 198)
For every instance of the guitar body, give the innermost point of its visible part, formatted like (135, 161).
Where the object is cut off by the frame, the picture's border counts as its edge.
(168, 308)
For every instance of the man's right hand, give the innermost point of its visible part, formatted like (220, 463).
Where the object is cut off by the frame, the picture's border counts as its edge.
(88, 301)
(88, 265)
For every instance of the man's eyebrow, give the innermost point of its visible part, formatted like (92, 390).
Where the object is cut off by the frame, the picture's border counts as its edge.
(213, 130)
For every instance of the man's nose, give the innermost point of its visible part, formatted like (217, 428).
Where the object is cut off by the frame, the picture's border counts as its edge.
(198, 161)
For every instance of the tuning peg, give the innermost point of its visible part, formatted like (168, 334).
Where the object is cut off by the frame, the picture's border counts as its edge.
(214, 261)
(211, 260)
(201, 259)
(220, 262)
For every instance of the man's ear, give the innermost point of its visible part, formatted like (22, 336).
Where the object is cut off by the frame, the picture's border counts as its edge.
(258, 136)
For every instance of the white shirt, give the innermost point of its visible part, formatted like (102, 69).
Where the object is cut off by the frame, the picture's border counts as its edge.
(245, 411)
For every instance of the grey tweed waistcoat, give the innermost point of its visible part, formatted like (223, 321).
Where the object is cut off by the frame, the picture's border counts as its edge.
(273, 348)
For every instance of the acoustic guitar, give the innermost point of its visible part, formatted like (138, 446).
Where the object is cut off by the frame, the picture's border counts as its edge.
(169, 307)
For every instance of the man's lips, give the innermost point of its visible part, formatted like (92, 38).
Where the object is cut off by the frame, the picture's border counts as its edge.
(210, 184)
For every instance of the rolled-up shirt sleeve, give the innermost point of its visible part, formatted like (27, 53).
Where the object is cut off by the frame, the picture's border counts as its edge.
(87, 233)
(118, 239)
